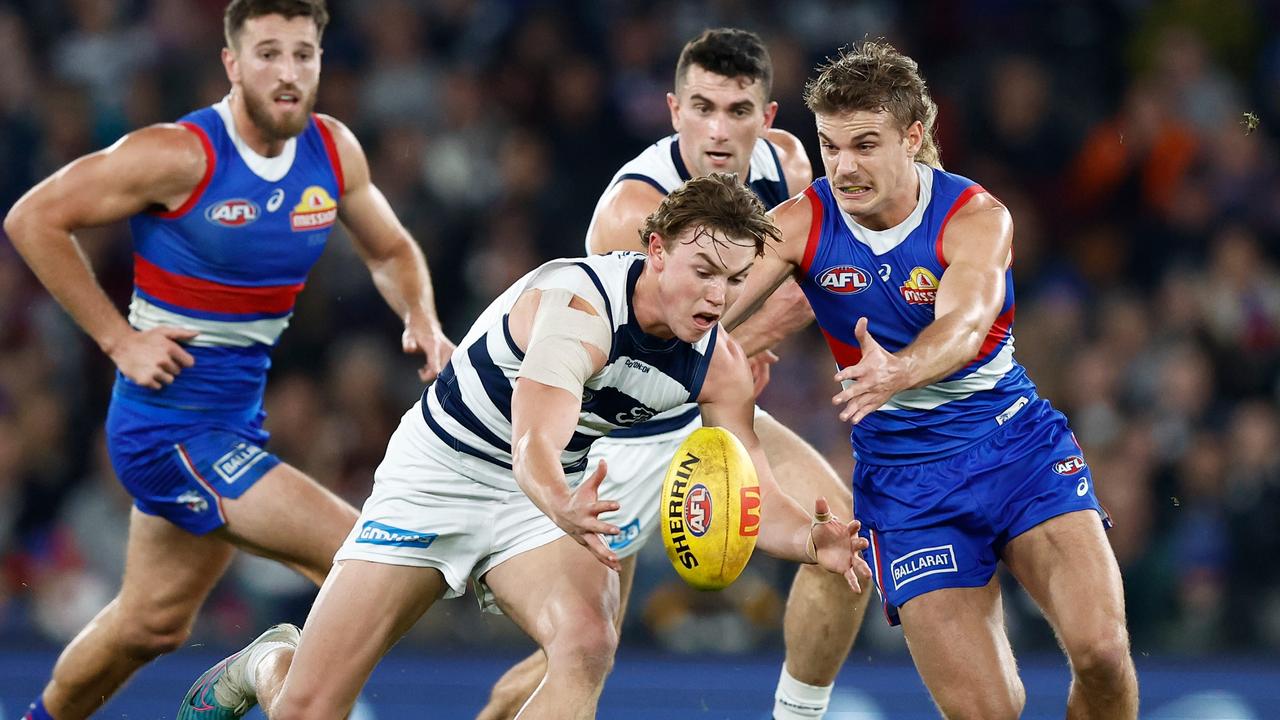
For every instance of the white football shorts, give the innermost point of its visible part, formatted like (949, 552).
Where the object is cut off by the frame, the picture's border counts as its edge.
(431, 506)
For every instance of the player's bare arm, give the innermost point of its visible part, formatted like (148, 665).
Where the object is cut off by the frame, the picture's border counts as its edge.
(619, 215)
(787, 531)
(544, 414)
(779, 262)
(795, 161)
(977, 247)
(396, 262)
(157, 167)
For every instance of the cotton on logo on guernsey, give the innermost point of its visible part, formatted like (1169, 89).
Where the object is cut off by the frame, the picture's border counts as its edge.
(921, 287)
(844, 280)
(316, 211)
(232, 213)
(376, 533)
(1070, 466)
(697, 510)
(922, 563)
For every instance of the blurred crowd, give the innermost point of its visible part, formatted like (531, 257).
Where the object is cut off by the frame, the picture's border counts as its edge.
(1135, 142)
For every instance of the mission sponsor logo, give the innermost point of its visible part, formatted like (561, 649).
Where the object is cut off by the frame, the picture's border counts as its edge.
(844, 280)
(921, 287)
(236, 212)
(923, 563)
(376, 533)
(1069, 466)
(315, 211)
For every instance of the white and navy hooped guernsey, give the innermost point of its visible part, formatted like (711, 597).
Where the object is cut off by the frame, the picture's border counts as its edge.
(891, 277)
(230, 262)
(662, 167)
(469, 405)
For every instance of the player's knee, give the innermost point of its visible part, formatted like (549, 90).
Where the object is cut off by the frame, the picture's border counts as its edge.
(586, 650)
(1103, 661)
(151, 636)
(305, 708)
(982, 703)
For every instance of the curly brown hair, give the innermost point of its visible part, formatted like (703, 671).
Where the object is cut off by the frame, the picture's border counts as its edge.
(240, 11)
(876, 77)
(717, 204)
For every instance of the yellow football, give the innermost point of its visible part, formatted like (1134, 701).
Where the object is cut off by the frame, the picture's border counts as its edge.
(710, 513)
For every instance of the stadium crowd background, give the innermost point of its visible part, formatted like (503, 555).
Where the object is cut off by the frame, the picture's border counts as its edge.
(1120, 134)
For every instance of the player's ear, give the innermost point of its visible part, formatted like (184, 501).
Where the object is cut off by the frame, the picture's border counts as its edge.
(231, 65)
(657, 252)
(914, 137)
(770, 112)
(673, 104)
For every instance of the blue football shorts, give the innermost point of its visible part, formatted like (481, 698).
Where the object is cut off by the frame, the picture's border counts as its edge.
(944, 524)
(181, 465)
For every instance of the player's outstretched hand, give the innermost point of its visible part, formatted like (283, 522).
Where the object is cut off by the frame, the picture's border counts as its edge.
(878, 376)
(760, 363)
(579, 518)
(428, 339)
(153, 358)
(838, 546)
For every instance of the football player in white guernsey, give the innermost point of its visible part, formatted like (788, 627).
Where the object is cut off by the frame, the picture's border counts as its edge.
(483, 480)
(999, 498)
(272, 60)
(722, 116)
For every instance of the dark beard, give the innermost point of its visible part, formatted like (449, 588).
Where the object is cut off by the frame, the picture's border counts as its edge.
(277, 130)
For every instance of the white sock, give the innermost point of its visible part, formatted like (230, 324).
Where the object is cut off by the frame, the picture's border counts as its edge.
(795, 700)
(256, 656)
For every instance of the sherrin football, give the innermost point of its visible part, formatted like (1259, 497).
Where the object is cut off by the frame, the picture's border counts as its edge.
(710, 513)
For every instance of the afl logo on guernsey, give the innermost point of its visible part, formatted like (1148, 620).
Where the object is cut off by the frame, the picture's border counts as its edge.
(1069, 466)
(697, 510)
(236, 212)
(316, 210)
(921, 287)
(844, 280)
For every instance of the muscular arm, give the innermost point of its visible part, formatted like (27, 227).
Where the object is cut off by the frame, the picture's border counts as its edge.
(543, 419)
(156, 167)
(977, 246)
(395, 261)
(779, 263)
(785, 527)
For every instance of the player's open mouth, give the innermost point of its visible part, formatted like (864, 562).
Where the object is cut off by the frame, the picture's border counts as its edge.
(854, 191)
(705, 320)
(288, 100)
(720, 158)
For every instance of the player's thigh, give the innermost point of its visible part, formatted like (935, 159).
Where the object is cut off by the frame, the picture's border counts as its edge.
(558, 592)
(1068, 568)
(634, 480)
(957, 639)
(288, 516)
(800, 470)
(362, 610)
(168, 573)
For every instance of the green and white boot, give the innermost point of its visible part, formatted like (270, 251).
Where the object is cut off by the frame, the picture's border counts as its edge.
(224, 692)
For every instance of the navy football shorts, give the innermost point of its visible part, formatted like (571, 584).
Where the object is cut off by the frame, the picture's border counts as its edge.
(180, 465)
(943, 524)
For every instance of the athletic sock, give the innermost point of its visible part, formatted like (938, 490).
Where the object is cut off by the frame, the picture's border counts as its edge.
(795, 700)
(36, 711)
(256, 656)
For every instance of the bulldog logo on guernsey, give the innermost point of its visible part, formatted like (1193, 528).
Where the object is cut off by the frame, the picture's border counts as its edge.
(697, 510)
(921, 287)
(236, 212)
(316, 211)
(844, 279)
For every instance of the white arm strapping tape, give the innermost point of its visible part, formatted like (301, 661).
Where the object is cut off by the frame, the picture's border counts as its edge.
(556, 356)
